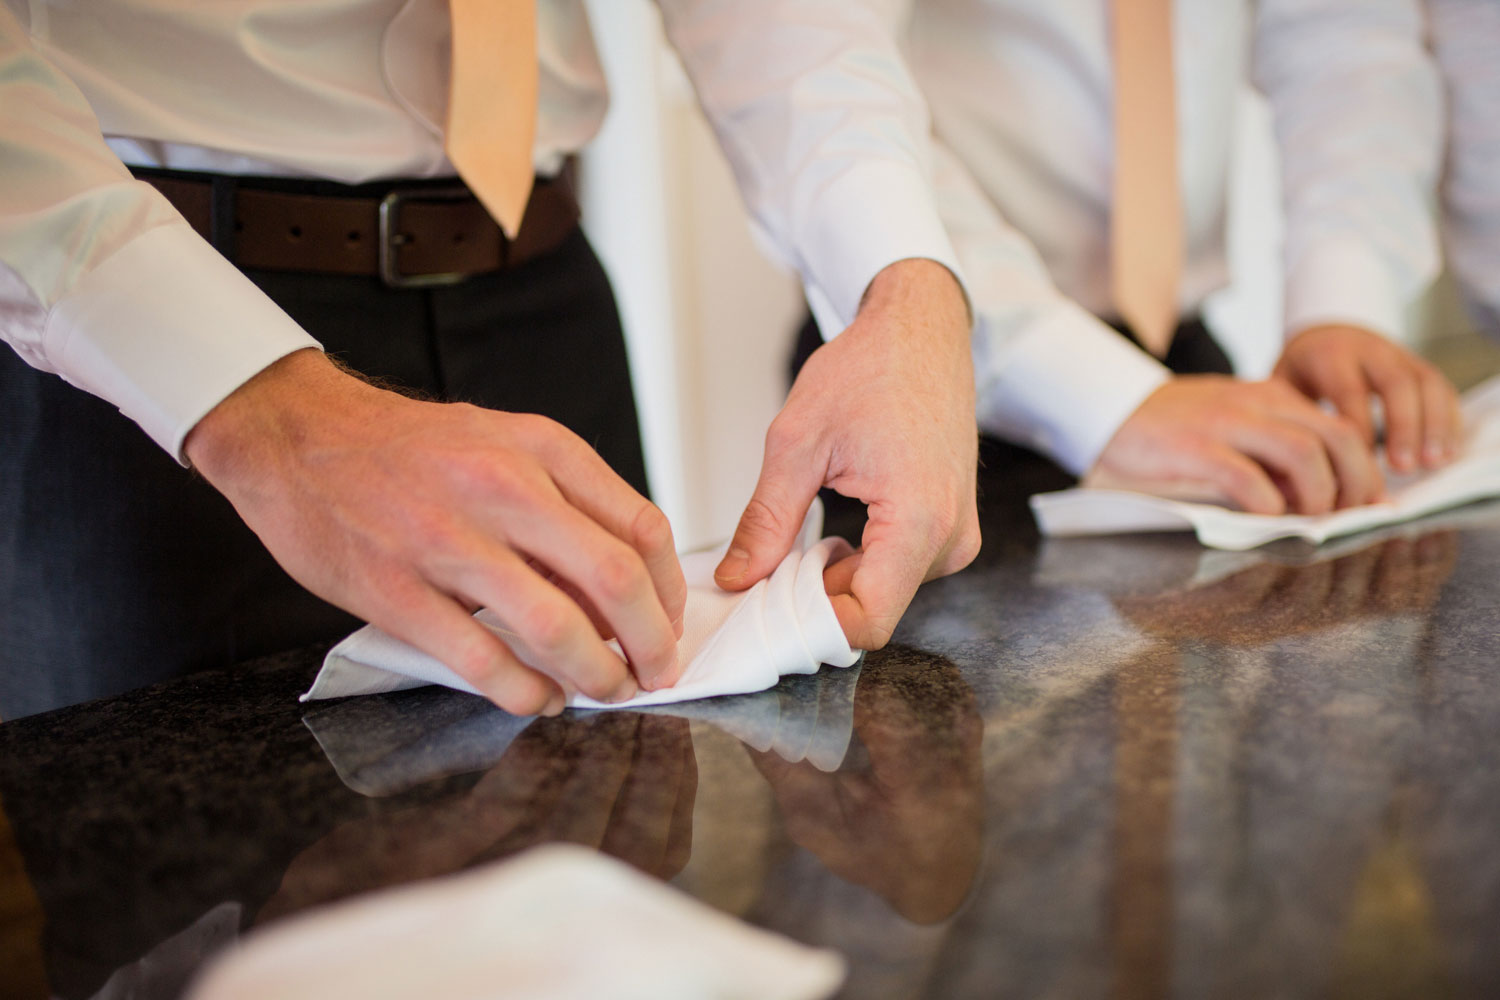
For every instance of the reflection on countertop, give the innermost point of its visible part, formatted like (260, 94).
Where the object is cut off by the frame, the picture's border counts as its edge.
(1103, 768)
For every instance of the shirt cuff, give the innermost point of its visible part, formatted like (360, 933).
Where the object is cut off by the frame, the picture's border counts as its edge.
(1344, 282)
(165, 328)
(1063, 386)
(873, 215)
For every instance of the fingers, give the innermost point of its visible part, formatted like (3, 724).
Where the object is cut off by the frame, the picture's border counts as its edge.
(589, 484)
(1442, 420)
(1296, 457)
(613, 578)
(549, 628)
(1242, 481)
(1396, 385)
(882, 578)
(1355, 471)
(437, 625)
(789, 479)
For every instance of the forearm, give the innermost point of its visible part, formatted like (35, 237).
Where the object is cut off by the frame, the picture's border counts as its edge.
(137, 309)
(1358, 118)
(826, 132)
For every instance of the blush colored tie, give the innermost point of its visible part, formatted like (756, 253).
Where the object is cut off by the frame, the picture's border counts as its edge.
(1146, 225)
(492, 100)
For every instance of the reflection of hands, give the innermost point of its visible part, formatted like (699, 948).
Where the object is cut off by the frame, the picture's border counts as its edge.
(1347, 366)
(622, 782)
(1260, 446)
(883, 413)
(413, 514)
(1268, 601)
(906, 821)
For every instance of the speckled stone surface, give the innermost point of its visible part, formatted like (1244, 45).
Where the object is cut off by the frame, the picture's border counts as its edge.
(1111, 768)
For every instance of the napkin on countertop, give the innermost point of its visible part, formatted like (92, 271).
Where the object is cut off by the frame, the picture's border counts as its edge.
(732, 643)
(555, 922)
(1474, 476)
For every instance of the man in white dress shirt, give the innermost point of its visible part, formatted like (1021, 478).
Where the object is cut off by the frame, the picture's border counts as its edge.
(1022, 95)
(1466, 42)
(405, 512)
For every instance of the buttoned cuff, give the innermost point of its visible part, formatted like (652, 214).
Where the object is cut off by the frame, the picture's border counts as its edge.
(1063, 386)
(1344, 282)
(872, 216)
(164, 329)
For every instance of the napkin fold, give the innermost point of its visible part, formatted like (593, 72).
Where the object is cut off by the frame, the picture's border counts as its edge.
(1474, 476)
(555, 922)
(731, 643)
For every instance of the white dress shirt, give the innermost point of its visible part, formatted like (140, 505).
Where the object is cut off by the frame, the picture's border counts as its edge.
(1466, 39)
(1021, 98)
(102, 281)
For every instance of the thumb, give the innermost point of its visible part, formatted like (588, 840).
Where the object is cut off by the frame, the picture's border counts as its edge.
(789, 480)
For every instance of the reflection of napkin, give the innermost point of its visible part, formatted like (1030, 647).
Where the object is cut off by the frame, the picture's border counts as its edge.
(391, 744)
(556, 922)
(1474, 476)
(733, 643)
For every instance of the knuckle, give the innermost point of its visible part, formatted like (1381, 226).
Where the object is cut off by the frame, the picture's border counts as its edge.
(650, 531)
(619, 577)
(476, 660)
(547, 626)
(782, 435)
(760, 518)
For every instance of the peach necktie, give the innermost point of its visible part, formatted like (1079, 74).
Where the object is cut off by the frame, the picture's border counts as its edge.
(492, 102)
(1146, 226)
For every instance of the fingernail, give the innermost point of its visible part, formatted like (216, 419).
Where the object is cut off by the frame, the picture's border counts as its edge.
(627, 690)
(735, 563)
(657, 681)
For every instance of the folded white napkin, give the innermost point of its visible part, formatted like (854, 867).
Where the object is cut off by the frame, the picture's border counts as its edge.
(1474, 476)
(555, 922)
(732, 643)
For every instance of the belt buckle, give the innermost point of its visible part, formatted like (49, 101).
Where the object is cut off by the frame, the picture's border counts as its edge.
(391, 239)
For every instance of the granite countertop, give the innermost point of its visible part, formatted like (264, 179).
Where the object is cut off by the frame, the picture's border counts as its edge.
(1089, 768)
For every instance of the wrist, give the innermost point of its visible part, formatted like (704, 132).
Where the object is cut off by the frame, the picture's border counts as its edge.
(920, 283)
(262, 415)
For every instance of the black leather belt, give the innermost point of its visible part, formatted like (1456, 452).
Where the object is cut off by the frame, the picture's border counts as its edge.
(413, 235)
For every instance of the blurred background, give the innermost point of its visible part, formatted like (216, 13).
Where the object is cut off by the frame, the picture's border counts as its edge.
(710, 319)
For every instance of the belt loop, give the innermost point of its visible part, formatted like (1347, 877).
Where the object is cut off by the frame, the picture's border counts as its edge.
(222, 214)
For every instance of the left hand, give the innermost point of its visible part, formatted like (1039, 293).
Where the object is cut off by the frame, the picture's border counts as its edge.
(883, 413)
(1347, 366)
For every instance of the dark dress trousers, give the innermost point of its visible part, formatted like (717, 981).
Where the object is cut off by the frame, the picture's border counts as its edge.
(119, 568)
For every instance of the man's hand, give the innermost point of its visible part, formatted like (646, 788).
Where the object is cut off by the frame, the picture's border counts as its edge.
(1260, 446)
(883, 413)
(1348, 366)
(413, 514)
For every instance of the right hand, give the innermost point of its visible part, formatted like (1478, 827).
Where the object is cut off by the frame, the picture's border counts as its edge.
(1262, 447)
(413, 514)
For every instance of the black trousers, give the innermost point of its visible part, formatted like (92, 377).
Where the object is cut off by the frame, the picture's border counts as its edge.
(119, 568)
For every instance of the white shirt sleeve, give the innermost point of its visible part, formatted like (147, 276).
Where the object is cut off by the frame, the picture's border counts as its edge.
(826, 133)
(101, 281)
(1358, 113)
(1049, 374)
(1466, 40)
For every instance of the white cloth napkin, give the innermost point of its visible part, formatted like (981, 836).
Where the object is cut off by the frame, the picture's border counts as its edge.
(732, 643)
(1474, 476)
(555, 922)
